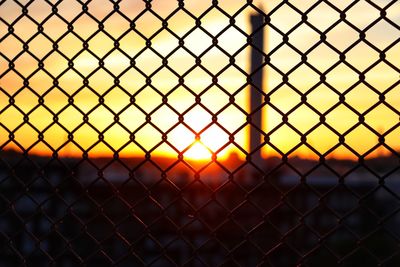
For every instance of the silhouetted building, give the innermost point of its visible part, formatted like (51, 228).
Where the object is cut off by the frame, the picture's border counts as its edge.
(73, 210)
(256, 96)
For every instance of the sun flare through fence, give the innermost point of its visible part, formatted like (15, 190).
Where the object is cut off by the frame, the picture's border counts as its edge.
(200, 133)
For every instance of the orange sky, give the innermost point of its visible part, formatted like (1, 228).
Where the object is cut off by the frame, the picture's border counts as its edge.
(381, 77)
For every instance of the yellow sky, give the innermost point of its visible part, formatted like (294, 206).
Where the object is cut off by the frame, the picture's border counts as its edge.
(132, 116)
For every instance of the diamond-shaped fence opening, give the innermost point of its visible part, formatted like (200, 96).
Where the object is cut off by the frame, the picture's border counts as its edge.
(222, 133)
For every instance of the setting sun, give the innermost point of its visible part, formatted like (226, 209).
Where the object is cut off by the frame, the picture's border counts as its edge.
(198, 151)
(210, 140)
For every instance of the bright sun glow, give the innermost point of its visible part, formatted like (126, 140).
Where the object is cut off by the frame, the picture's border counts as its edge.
(212, 140)
(198, 152)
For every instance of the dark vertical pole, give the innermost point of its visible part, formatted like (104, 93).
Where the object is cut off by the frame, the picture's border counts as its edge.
(256, 96)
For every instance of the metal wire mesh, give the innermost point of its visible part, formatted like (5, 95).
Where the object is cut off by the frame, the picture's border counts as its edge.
(96, 99)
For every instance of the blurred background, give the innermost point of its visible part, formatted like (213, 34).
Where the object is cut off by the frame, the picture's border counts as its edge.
(199, 133)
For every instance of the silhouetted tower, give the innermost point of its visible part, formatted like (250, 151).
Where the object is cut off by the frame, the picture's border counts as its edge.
(256, 96)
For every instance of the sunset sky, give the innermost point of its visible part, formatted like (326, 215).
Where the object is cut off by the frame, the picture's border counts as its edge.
(282, 96)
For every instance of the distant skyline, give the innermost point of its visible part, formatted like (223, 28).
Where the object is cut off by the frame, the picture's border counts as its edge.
(282, 97)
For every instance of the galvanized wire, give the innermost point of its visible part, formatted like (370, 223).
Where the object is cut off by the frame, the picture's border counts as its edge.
(68, 211)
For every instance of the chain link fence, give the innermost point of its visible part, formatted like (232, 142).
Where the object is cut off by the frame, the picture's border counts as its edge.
(191, 133)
